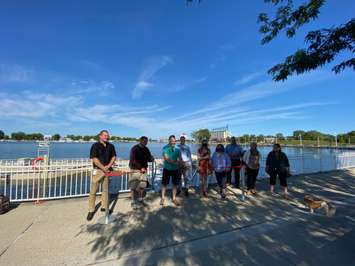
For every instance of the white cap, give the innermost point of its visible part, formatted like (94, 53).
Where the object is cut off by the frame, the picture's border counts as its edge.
(183, 135)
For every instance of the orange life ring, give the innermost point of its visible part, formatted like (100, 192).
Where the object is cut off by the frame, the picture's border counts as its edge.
(34, 163)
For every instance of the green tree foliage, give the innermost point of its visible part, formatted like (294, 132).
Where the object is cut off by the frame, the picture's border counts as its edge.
(312, 135)
(2, 134)
(323, 45)
(298, 133)
(74, 137)
(34, 136)
(56, 137)
(18, 135)
(200, 134)
(348, 138)
(280, 136)
(23, 136)
(87, 138)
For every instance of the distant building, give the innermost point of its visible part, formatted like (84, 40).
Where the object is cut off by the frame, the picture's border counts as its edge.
(269, 140)
(47, 137)
(220, 134)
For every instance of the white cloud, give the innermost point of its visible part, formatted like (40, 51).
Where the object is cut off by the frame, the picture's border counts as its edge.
(151, 67)
(32, 105)
(14, 73)
(185, 86)
(227, 47)
(70, 106)
(241, 116)
(200, 80)
(90, 65)
(246, 79)
(44, 109)
(140, 88)
(257, 91)
(100, 88)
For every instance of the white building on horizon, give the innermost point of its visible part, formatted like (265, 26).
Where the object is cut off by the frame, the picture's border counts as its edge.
(220, 134)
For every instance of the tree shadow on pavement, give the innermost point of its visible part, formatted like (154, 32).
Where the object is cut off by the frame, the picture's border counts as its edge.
(268, 229)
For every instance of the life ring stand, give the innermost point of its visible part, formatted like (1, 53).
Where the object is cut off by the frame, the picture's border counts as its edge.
(35, 161)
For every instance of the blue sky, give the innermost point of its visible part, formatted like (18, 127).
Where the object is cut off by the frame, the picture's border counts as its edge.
(159, 68)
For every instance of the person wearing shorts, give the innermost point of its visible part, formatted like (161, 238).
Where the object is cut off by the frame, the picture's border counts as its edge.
(277, 165)
(172, 158)
(139, 158)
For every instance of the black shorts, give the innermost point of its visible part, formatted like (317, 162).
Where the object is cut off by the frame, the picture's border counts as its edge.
(174, 174)
(282, 176)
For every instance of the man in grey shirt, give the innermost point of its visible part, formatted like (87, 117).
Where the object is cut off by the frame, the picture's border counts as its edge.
(235, 152)
(186, 163)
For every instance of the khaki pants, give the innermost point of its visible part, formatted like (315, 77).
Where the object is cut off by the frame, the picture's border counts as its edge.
(97, 178)
(137, 180)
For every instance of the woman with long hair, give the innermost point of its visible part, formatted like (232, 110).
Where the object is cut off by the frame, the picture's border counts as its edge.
(251, 162)
(204, 166)
(221, 165)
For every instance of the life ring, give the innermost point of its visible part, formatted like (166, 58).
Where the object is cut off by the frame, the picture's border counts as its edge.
(35, 161)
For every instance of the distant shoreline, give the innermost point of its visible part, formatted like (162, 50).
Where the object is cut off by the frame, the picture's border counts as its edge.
(340, 146)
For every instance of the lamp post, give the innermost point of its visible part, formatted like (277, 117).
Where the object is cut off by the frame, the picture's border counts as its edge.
(336, 140)
(300, 140)
(318, 142)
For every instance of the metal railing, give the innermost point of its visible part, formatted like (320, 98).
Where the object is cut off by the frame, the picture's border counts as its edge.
(59, 179)
(306, 163)
(22, 181)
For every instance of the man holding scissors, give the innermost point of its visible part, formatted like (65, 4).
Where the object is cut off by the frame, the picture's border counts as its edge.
(138, 163)
(103, 155)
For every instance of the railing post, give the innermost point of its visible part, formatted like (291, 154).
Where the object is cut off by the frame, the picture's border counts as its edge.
(38, 182)
(152, 175)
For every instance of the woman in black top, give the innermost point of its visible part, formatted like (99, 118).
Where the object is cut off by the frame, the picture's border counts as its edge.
(277, 164)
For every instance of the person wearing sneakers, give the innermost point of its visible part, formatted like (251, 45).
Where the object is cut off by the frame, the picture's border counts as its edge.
(277, 165)
(221, 164)
(251, 164)
(204, 167)
(172, 158)
(138, 164)
(186, 163)
(235, 152)
(103, 156)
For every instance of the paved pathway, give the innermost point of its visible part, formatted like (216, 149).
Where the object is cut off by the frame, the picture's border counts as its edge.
(263, 230)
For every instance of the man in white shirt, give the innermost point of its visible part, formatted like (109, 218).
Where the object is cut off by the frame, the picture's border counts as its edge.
(186, 163)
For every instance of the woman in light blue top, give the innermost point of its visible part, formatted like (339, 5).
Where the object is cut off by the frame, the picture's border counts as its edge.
(221, 164)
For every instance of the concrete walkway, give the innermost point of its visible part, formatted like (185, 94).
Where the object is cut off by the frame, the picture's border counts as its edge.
(263, 230)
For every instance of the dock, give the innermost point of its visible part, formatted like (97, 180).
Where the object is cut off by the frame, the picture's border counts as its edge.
(262, 230)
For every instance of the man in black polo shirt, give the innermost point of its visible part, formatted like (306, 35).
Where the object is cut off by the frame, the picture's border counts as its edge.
(103, 155)
(138, 163)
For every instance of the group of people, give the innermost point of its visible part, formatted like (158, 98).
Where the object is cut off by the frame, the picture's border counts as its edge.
(226, 163)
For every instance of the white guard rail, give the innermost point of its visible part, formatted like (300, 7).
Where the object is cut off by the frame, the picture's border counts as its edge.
(22, 181)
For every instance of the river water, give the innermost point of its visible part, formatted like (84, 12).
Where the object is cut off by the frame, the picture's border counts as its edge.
(15, 150)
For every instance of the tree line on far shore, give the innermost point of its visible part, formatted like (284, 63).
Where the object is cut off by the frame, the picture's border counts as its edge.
(311, 137)
(39, 136)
